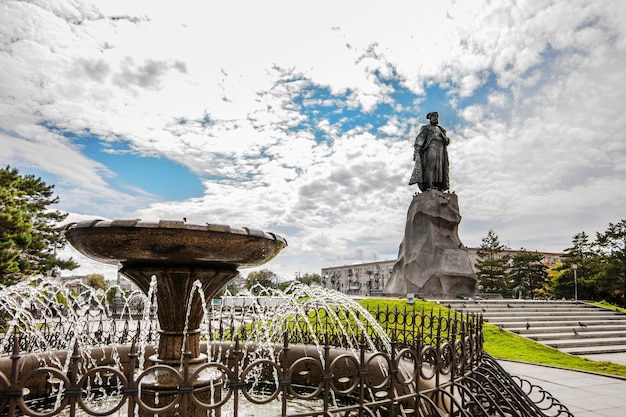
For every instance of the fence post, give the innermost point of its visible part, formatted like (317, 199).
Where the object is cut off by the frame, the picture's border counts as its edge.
(131, 390)
(13, 393)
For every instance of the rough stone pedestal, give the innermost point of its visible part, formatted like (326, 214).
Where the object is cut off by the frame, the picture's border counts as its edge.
(432, 261)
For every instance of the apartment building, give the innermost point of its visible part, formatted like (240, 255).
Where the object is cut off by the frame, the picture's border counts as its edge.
(364, 279)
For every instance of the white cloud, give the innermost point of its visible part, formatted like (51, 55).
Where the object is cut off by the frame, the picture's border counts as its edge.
(537, 87)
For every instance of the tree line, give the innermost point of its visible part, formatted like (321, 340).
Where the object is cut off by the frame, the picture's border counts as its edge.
(599, 267)
(266, 278)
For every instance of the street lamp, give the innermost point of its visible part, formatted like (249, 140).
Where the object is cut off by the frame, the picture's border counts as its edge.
(575, 267)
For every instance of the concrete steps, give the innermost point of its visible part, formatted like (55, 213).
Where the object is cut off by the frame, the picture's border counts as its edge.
(542, 328)
(577, 328)
(594, 350)
(566, 334)
(573, 318)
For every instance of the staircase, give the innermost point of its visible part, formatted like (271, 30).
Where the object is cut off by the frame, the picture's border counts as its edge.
(572, 327)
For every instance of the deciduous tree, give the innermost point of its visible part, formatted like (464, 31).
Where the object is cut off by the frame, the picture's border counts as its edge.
(264, 278)
(310, 279)
(96, 281)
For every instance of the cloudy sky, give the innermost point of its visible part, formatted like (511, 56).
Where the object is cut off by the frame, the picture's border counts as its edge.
(299, 117)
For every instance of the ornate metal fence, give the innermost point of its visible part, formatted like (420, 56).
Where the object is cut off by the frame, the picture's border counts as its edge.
(433, 366)
(58, 333)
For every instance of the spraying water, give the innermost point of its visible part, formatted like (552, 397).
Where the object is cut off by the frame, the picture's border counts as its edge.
(50, 316)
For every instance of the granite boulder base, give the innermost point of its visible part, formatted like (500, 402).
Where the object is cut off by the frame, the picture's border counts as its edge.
(432, 261)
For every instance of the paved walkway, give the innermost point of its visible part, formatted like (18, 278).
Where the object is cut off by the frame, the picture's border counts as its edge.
(584, 394)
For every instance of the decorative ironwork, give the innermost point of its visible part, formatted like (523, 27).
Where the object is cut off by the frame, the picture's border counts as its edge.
(435, 367)
(58, 333)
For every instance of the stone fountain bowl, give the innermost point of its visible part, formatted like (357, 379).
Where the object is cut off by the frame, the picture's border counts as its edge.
(172, 242)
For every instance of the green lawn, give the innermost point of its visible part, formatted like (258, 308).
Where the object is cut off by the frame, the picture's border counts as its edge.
(607, 305)
(503, 344)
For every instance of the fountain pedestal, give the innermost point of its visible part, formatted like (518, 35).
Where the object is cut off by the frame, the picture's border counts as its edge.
(180, 307)
(185, 259)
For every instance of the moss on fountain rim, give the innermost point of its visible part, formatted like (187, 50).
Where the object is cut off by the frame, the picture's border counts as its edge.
(127, 241)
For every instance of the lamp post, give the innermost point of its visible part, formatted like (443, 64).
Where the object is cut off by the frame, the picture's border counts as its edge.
(575, 267)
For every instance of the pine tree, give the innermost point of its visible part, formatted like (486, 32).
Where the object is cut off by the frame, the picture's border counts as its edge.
(583, 254)
(29, 233)
(528, 273)
(613, 244)
(580, 253)
(492, 266)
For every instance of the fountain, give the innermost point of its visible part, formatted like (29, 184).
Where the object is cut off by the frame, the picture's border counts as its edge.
(313, 353)
(178, 255)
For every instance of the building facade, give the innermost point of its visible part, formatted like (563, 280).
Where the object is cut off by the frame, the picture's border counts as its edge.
(549, 258)
(364, 279)
(369, 279)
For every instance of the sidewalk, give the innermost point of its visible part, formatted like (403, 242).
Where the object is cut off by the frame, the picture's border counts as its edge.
(584, 394)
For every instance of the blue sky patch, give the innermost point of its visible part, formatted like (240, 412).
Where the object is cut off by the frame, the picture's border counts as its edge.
(317, 103)
(166, 179)
(159, 176)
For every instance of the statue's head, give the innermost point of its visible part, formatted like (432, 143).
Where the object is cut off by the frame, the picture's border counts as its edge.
(433, 116)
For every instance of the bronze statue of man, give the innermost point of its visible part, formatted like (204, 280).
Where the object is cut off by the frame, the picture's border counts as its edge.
(431, 156)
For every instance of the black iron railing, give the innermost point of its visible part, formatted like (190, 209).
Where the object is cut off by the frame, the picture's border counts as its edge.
(433, 365)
